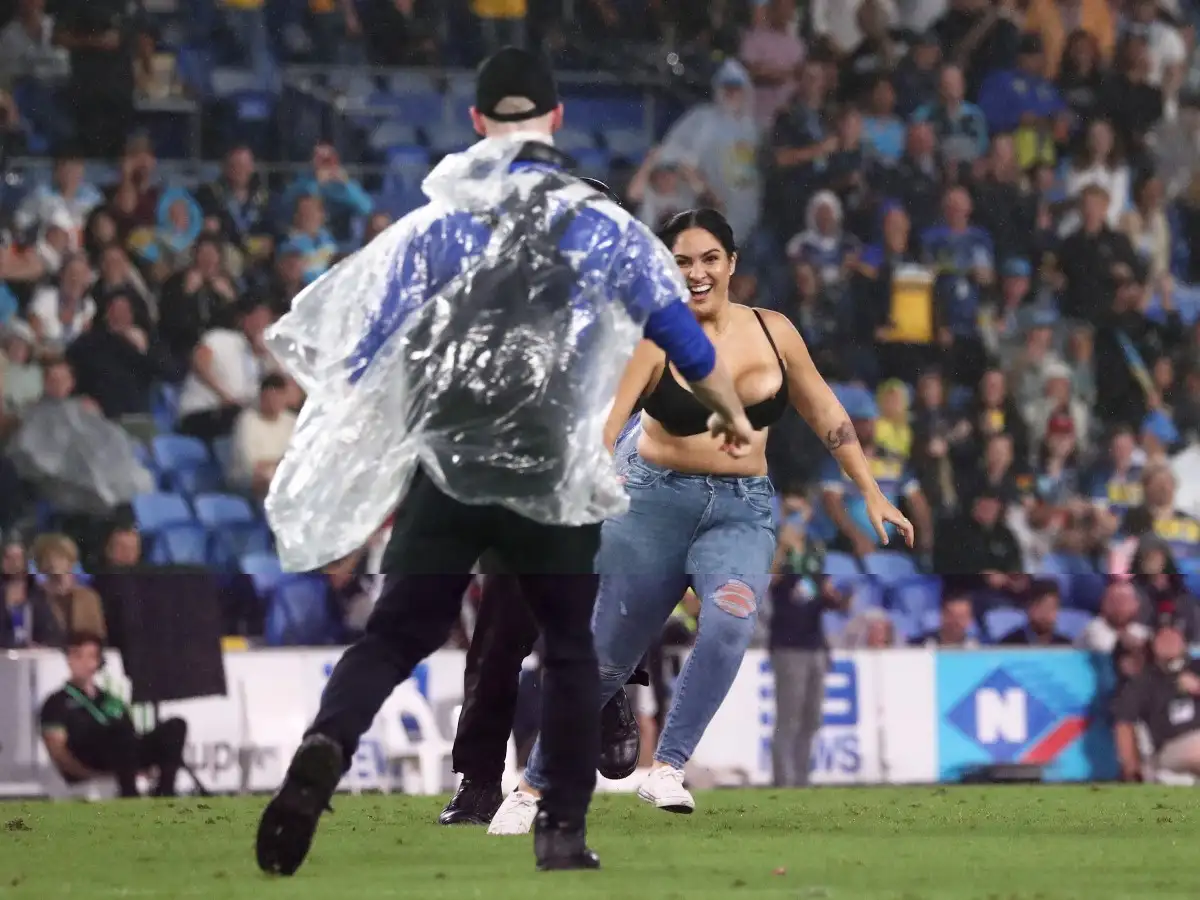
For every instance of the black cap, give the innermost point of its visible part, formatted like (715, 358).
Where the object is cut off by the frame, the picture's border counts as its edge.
(512, 72)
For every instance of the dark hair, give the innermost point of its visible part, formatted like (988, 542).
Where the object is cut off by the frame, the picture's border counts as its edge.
(705, 219)
(1043, 587)
(79, 638)
(272, 382)
(212, 240)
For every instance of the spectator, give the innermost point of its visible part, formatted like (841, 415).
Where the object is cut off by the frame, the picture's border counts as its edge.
(915, 181)
(1099, 164)
(1163, 698)
(287, 279)
(377, 224)
(824, 243)
(27, 50)
(1052, 20)
(343, 198)
(918, 73)
(1022, 102)
(118, 275)
(68, 192)
(931, 447)
(992, 411)
(26, 619)
(1129, 100)
(59, 315)
(874, 57)
(772, 55)
(154, 72)
(403, 32)
(261, 437)
(893, 433)
(98, 34)
(981, 542)
(311, 239)
(240, 202)
(664, 186)
(336, 32)
(845, 507)
(811, 309)
(1180, 531)
(1149, 231)
(1081, 76)
(955, 623)
(1056, 505)
(846, 167)
(883, 131)
(1008, 328)
(168, 247)
(959, 126)
(22, 374)
(194, 299)
(1094, 261)
(1057, 402)
(1117, 622)
(839, 22)
(75, 607)
(1041, 628)
(871, 629)
(122, 549)
(962, 255)
(119, 363)
(800, 148)
(1167, 50)
(721, 140)
(1006, 207)
(225, 372)
(980, 34)
(1035, 359)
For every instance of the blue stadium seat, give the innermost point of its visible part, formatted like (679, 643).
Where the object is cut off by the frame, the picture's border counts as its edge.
(1071, 622)
(264, 570)
(394, 135)
(600, 114)
(164, 406)
(627, 143)
(841, 565)
(915, 596)
(176, 451)
(155, 512)
(833, 624)
(218, 510)
(930, 620)
(300, 614)
(593, 162)
(1000, 621)
(418, 110)
(1086, 592)
(906, 627)
(1067, 564)
(889, 566)
(233, 541)
(1189, 568)
(206, 479)
(181, 545)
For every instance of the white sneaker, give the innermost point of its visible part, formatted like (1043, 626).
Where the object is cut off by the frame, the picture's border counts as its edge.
(515, 815)
(664, 788)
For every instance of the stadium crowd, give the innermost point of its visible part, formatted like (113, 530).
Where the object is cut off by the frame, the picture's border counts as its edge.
(979, 214)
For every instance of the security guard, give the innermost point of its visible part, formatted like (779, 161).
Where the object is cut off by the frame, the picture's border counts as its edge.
(88, 733)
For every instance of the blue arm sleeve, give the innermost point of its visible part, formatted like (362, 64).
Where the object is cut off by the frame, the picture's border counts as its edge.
(676, 330)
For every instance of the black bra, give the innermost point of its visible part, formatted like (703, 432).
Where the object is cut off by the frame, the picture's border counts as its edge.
(675, 408)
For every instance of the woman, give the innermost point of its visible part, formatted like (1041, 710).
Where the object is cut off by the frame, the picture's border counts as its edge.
(697, 517)
(1147, 227)
(1081, 77)
(1099, 163)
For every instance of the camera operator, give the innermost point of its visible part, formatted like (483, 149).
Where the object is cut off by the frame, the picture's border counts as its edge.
(88, 733)
(1163, 697)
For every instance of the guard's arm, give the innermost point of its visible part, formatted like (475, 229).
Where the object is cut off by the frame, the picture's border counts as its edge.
(677, 332)
(64, 760)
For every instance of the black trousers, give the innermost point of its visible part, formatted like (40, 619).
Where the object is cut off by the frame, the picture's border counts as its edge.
(435, 542)
(505, 632)
(120, 751)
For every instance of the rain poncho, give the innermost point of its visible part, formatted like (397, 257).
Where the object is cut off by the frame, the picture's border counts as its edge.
(481, 337)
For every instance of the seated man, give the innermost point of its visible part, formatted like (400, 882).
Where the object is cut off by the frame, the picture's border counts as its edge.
(1163, 697)
(88, 733)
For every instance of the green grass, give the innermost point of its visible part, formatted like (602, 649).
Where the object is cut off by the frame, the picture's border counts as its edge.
(1014, 843)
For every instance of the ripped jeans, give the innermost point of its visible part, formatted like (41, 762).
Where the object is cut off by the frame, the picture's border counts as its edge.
(715, 534)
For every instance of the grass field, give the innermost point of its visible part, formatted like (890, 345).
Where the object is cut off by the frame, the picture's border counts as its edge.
(1009, 843)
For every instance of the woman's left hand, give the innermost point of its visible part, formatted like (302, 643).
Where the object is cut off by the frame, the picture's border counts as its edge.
(881, 512)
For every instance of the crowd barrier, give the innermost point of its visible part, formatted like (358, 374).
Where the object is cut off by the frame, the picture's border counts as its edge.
(906, 716)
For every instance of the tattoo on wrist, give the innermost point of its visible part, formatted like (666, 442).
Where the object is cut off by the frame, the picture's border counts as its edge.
(841, 436)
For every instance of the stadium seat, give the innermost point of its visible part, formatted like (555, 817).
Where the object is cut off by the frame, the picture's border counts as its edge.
(1086, 592)
(1000, 621)
(841, 565)
(906, 627)
(218, 510)
(235, 540)
(1071, 622)
(627, 143)
(915, 596)
(593, 162)
(264, 570)
(833, 624)
(155, 512)
(164, 406)
(419, 110)
(177, 453)
(185, 544)
(603, 113)
(889, 566)
(300, 614)
(395, 134)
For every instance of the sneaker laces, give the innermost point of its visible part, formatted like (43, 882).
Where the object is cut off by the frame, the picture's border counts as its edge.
(672, 774)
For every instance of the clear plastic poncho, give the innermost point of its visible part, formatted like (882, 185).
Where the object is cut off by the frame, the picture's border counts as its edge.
(481, 337)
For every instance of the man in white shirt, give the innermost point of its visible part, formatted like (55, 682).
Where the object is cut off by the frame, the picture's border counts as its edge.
(60, 313)
(261, 436)
(69, 199)
(1116, 622)
(225, 374)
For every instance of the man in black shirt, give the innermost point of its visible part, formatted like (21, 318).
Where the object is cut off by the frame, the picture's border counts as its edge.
(1163, 698)
(88, 733)
(1042, 611)
(982, 543)
(1095, 261)
(99, 34)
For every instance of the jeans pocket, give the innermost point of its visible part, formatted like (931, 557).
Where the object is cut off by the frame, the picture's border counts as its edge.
(637, 475)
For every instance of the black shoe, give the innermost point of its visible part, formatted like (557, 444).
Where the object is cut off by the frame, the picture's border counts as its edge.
(474, 803)
(620, 738)
(560, 847)
(289, 822)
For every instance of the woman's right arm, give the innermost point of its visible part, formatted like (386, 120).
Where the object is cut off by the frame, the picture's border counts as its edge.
(646, 359)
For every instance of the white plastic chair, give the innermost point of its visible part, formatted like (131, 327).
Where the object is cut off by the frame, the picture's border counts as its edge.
(429, 750)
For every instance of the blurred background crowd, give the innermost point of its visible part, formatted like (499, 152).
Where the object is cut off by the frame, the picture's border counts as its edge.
(979, 213)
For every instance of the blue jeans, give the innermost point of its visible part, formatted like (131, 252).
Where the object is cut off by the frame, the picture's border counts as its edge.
(715, 534)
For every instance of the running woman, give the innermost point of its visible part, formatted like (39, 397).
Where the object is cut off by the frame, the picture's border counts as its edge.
(697, 517)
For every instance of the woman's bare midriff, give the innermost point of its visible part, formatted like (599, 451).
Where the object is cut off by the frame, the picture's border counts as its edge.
(699, 454)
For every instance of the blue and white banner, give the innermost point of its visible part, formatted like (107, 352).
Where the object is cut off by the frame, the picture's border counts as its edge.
(1022, 706)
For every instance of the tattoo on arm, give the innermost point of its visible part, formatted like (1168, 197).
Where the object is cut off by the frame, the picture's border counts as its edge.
(841, 436)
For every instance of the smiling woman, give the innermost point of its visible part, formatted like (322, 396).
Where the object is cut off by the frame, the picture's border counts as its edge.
(699, 517)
